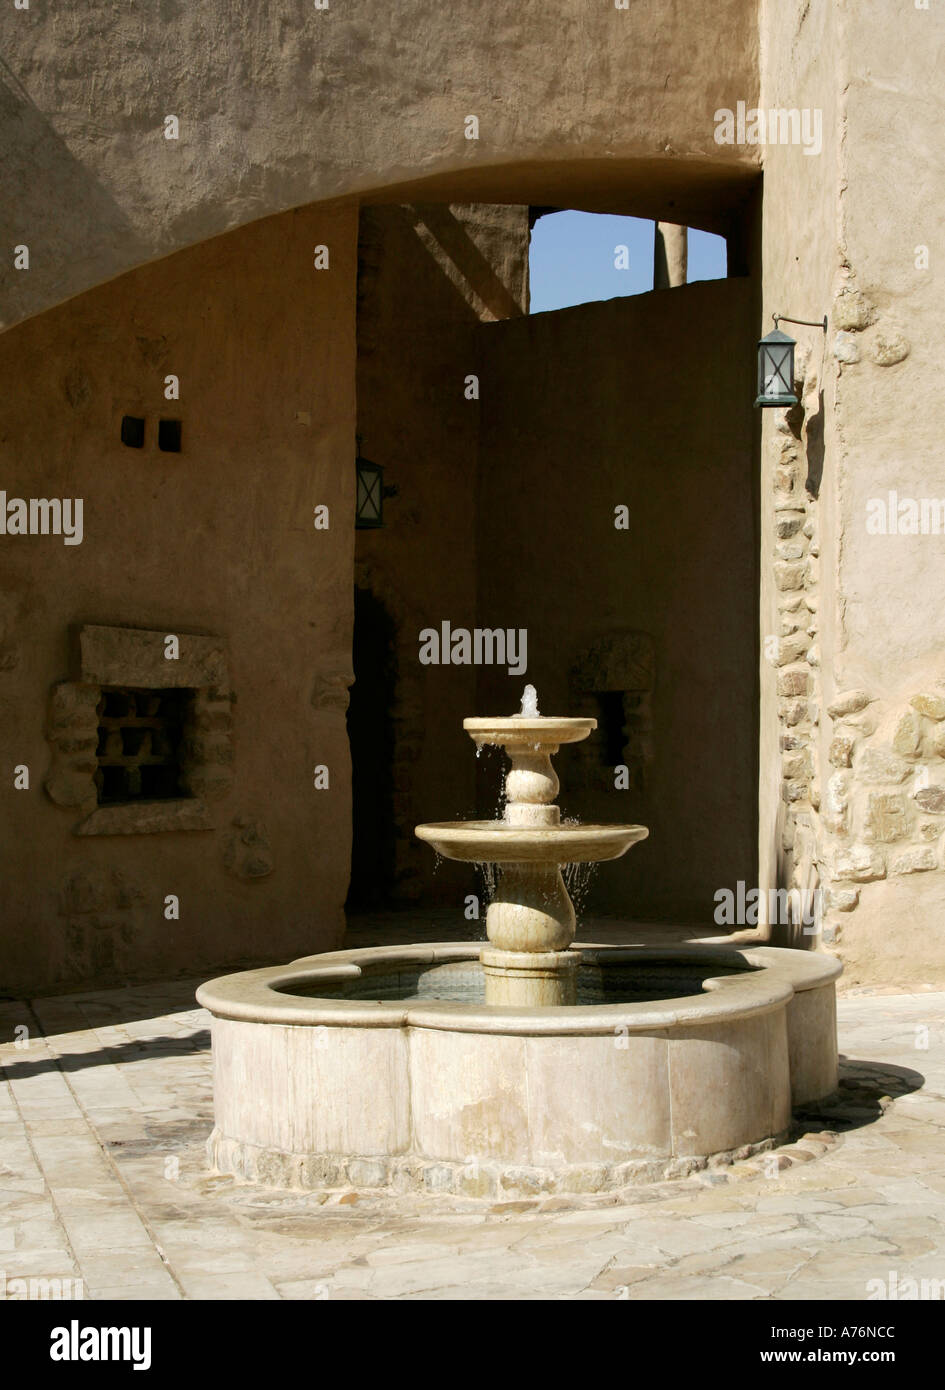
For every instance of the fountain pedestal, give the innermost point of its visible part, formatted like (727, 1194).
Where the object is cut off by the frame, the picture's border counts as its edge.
(529, 979)
(531, 921)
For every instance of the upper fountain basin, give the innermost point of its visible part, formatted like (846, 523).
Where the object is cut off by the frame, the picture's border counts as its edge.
(496, 842)
(518, 731)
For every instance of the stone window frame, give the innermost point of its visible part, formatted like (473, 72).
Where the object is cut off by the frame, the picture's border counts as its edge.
(126, 656)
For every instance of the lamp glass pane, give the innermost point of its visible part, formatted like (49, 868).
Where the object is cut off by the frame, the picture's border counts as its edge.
(776, 369)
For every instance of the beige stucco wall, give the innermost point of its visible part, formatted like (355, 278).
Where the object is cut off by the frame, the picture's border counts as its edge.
(217, 539)
(282, 107)
(641, 402)
(841, 236)
(889, 613)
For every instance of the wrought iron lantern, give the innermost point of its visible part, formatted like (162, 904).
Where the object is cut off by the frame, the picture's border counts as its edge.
(369, 502)
(776, 364)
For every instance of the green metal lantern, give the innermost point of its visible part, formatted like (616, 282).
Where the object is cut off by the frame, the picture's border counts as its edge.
(776, 370)
(369, 503)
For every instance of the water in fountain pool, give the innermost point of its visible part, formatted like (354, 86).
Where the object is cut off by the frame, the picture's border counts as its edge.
(599, 981)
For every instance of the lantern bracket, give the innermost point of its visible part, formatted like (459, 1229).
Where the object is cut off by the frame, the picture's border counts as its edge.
(808, 323)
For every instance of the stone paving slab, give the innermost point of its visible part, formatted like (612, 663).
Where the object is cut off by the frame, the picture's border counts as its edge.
(103, 1178)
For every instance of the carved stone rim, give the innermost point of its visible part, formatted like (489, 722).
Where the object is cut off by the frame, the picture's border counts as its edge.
(769, 980)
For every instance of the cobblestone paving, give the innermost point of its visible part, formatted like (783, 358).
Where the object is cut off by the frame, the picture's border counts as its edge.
(103, 1118)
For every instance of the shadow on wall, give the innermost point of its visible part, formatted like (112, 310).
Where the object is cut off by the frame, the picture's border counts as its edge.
(449, 243)
(815, 448)
(371, 735)
(38, 164)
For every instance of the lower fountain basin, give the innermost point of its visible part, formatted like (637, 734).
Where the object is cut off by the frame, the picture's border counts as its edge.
(495, 842)
(381, 1068)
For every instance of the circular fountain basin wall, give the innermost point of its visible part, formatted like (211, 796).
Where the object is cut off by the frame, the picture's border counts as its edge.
(383, 1067)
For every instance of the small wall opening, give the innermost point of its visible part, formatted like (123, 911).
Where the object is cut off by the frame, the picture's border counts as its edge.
(132, 431)
(169, 436)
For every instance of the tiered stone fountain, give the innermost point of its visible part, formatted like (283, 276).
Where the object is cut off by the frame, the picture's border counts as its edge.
(530, 923)
(528, 1063)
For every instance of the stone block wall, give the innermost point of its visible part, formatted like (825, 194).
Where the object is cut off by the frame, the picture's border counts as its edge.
(883, 810)
(792, 648)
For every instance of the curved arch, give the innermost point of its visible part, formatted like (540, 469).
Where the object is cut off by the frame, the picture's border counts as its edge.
(281, 109)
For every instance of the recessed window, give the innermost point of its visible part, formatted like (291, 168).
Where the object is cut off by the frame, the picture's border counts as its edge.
(132, 431)
(140, 737)
(169, 436)
(611, 721)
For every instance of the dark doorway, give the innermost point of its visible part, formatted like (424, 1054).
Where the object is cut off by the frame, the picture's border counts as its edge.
(371, 736)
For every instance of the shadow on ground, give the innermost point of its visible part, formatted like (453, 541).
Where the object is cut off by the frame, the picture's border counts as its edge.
(866, 1089)
(152, 1049)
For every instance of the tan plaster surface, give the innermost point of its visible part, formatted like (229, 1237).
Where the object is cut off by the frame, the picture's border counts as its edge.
(216, 541)
(278, 111)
